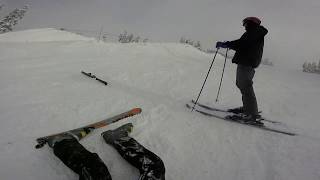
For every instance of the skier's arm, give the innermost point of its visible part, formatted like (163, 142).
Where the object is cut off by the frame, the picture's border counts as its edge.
(234, 45)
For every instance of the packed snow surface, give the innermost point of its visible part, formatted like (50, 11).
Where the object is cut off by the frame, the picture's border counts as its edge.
(42, 35)
(42, 91)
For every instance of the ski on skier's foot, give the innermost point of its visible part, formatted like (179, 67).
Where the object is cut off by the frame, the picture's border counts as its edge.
(226, 116)
(228, 111)
(90, 127)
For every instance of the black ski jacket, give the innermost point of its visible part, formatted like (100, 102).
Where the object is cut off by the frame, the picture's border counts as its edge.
(249, 48)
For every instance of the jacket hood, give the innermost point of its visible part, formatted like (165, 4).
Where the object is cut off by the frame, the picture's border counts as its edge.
(262, 30)
(259, 30)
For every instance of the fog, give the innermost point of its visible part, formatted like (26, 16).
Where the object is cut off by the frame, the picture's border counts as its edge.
(293, 25)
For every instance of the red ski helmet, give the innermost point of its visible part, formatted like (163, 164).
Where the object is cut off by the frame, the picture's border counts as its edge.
(252, 19)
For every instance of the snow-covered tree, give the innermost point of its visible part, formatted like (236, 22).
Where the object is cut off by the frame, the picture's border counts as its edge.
(314, 67)
(197, 45)
(123, 37)
(8, 22)
(145, 40)
(309, 67)
(136, 39)
(182, 40)
(130, 38)
(104, 37)
(304, 67)
(266, 61)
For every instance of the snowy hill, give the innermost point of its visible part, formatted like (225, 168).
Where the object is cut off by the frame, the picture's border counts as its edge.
(42, 35)
(42, 92)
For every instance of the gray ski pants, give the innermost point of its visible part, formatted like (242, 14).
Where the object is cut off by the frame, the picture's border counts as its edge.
(244, 82)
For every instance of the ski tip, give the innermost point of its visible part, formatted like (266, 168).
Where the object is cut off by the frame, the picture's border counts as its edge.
(136, 110)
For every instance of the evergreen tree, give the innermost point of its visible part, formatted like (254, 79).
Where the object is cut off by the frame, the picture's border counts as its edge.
(130, 38)
(197, 45)
(137, 39)
(8, 22)
(319, 66)
(190, 42)
(309, 67)
(123, 37)
(104, 37)
(182, 40)
(314, 67)
(145, 40)
(304, 67)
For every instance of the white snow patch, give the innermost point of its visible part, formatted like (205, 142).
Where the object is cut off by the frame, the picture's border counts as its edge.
(42, 91)
(42, 35)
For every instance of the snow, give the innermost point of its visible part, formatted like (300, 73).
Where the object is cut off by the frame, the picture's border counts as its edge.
(42, 35)
(43, 91)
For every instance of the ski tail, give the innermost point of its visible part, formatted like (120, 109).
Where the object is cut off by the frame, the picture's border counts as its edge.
(82, 132)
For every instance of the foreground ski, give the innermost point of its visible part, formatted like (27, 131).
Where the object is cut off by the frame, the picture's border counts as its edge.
(226, 111)
(224, 114)
(89, 128)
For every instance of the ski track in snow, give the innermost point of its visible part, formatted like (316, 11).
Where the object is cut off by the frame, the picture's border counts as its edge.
(43, 91)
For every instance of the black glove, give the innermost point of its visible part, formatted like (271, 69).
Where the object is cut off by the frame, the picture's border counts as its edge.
(221, 45)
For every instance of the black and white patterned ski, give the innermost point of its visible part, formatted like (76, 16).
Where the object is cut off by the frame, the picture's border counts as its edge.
(94, 77)
(222, 115)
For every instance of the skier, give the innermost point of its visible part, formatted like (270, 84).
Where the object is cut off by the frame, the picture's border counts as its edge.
(249, 50)
(89, 166)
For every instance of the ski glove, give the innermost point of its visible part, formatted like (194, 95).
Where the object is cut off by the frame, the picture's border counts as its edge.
(221, 45)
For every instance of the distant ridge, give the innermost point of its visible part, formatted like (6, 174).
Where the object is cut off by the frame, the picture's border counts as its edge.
(42, 35)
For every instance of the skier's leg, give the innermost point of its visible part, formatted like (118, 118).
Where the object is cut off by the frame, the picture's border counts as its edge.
(86, 164)
(150, 165)
(244, 82)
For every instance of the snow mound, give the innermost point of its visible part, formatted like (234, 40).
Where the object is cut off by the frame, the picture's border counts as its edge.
(42, 35)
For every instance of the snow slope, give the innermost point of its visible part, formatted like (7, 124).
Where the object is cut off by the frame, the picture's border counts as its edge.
(42, 35)
(42, 91)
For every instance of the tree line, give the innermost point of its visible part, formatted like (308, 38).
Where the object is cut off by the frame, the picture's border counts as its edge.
(125, 37)
(311, 67)
(8, 22)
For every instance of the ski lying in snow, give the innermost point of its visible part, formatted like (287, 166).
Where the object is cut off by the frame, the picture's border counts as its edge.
(223, 114)
(90, 127)
(227, 111)
(94, 77)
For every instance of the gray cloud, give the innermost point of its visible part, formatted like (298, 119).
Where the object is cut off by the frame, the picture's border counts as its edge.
(292, 24)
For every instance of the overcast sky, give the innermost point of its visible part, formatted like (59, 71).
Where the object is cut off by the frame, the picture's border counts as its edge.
(293, 24)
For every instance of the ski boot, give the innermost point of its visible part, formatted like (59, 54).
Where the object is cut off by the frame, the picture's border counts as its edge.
(246, 119)
(121, 132)
(237, 110)
(252, 120)
(76, 134)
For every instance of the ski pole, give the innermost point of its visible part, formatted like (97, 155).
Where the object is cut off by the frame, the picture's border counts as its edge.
(205, 79)
(224, 66)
